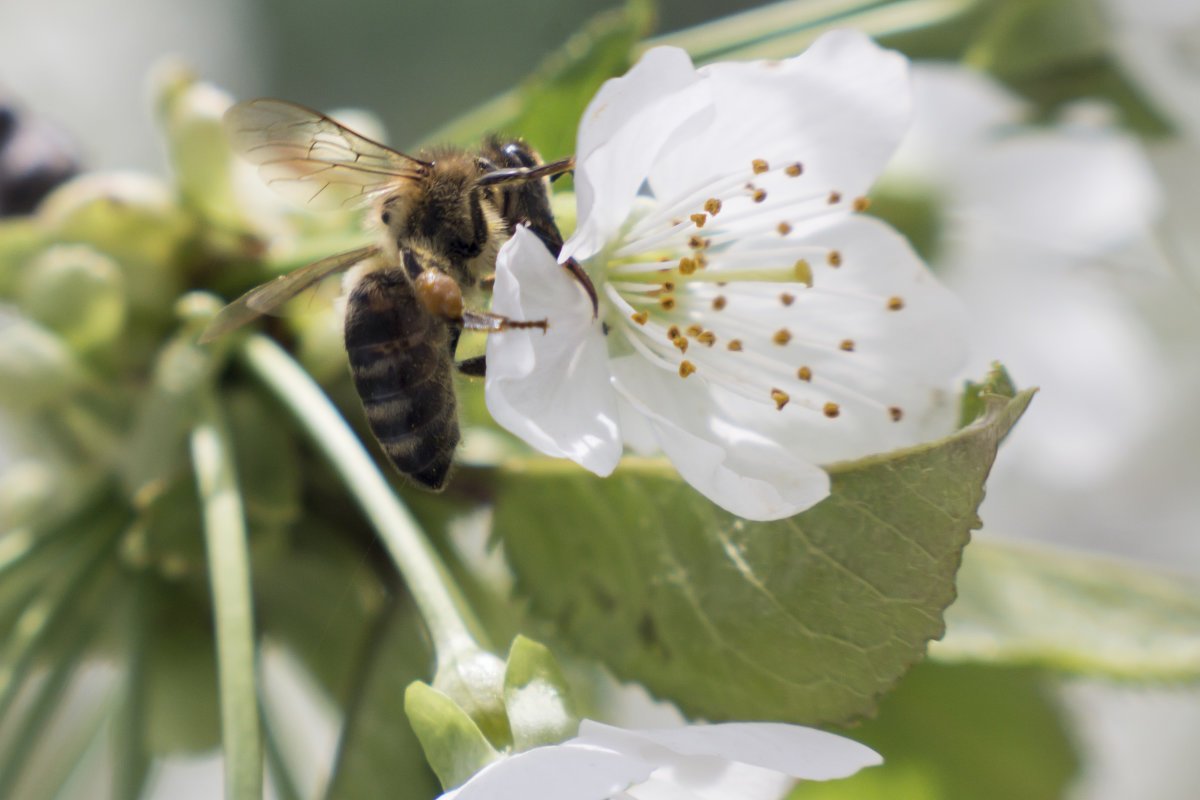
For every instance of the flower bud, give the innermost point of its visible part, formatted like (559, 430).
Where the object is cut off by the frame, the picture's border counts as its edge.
(77, 292)
(37, 368)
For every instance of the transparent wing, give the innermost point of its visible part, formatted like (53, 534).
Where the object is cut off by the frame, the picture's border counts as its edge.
(307, 157)
(269, 296)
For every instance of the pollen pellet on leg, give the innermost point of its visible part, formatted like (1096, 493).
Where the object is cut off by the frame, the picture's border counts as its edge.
(835, 258)
(734, 345)
(681, 343)
(666, 303)
(640, 317)
(699, 219)
(759, 166)
(787, 299)
(794, 170)
(780, 398)
(831, 410)
(694, 330)
(895, 303)
(862, 204)
(804, 374)
(784, 229)
(782, 336)
(896, 413)
(718, 302)
(686, 368)
(847, 345)
(835, 198)
(712, 205)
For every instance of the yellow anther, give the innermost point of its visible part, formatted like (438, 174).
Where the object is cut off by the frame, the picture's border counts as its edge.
(787, 299)
(831, 410)
(712, 205)
(835, 258)
(707, 338)
(780, 398)
(804, 374)
(759, 195)
(666, 303)
(681, 343)
(734, 344)
(895, 304)
(687, 265)
(784, 229)
(718, 302)
(803, 272)
(759, 166)
(862, 203)
(686, 368)
(673, 332)
(782, 336)
(694, 330)
(847, 345)
(695, 242)
(640, 317)
(699, 219)
(794, 170)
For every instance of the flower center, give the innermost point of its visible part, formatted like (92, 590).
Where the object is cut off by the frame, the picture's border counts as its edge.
(717, 283)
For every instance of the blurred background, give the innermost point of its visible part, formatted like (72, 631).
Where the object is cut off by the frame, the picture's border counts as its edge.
(1107, 457)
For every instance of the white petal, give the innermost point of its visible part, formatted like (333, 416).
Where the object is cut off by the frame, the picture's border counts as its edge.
(746, 474)
(695, 778)
(550, 388)
(794, 750)
(620, 135)
(557, 772)
(840, 108)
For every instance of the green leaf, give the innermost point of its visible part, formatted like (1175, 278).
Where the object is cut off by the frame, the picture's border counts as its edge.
(1025, 604)
(805, 620)
(536, 696)
(179, 701)
(379, 756)
(948, 733)
(1058, 51)
(454, 746)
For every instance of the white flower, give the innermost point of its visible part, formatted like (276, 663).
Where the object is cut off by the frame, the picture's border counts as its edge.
(734, 760)
(752, 324)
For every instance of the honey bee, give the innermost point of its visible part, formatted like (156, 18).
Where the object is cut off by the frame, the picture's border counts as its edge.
(443, 216)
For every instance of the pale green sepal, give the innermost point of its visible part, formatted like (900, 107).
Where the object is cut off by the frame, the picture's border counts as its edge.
(537, 696)
(454, 745)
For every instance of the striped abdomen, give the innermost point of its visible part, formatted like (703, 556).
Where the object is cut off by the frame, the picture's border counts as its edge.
(400, 360)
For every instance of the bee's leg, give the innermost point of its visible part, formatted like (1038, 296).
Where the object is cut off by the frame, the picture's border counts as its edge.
(494, 323)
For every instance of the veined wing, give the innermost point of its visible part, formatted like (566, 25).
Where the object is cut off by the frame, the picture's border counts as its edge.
(306, 156)
(269, 296)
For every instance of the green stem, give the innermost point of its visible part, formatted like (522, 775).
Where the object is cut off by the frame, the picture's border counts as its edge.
(229, 574)
(452, 626)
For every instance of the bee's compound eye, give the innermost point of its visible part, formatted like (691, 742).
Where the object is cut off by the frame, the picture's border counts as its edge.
(440, 294)
(386, 218)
